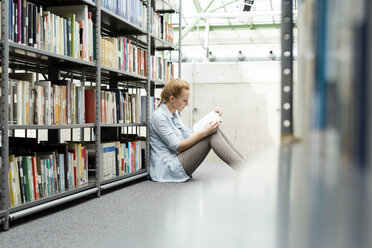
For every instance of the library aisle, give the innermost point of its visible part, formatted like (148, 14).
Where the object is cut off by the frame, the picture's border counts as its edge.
(283, 198)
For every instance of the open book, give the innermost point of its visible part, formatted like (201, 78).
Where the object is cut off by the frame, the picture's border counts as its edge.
(212, 116)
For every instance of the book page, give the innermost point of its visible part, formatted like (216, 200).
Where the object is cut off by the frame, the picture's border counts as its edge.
(212, 116)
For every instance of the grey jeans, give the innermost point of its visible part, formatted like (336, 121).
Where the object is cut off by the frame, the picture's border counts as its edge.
(192, 157)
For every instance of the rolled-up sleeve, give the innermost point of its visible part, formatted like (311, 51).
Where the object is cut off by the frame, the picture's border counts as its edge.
(162, 127)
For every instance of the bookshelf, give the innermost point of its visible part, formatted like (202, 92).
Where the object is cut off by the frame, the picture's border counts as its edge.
(287, 70)
(332, 97)
(117, 85)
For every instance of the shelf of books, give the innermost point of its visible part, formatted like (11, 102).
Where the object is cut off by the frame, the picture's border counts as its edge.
(89, 3)
(52, 31)
(164, 70)
(162, 31)
(124, 17)
(120, 159)
(334, 62)
(56, 56)
(21, 53)
(162, 39)
(41, 171)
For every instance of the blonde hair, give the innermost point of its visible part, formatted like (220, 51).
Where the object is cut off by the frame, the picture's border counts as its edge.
(173, 88)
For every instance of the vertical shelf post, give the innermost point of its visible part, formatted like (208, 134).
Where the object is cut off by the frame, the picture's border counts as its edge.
(369, 93)
(180, 37)
(286, 70)
(71, 129)
(5, 111)
(148, 88)
(98, 97)
(54, 135)
(82, 135)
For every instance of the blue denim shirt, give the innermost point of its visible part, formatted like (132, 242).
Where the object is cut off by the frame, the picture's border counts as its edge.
(166, 132)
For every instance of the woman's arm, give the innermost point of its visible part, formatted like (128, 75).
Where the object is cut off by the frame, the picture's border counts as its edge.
(196, 137)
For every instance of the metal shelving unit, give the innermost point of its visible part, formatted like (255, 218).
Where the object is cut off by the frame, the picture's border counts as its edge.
(158, 82)
(21, 53)
(111, 22)
(30, 59)
(287, 71)
(124, 179)
(41, 201)
(153, 43)
(162, 45)
(112, 72)
(97, 129)
(124, 125)
(119, 180)
(5, 113)
(53, 203)
(67, 126)
(90, 3)
(162, 6)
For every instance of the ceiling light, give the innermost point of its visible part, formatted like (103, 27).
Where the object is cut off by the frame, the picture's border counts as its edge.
(272, 55)
(241, 56)
(211, 57)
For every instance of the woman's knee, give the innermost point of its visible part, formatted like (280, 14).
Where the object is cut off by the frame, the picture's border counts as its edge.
(214, 137)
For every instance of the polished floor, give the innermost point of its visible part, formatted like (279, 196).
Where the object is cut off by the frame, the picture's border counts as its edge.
(283, 198)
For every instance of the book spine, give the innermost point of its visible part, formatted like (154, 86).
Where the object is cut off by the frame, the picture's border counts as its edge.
(21, 179)
(35, 178)
(34, 25)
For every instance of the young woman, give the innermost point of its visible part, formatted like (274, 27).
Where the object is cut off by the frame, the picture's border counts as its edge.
(175, 151)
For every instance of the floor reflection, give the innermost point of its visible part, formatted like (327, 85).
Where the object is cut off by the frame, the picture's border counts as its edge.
(283, 198)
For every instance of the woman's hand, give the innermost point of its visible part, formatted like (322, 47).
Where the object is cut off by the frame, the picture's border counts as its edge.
(211, 127)
(218, 110)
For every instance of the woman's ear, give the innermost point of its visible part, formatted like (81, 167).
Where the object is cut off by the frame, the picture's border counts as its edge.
(171, 98)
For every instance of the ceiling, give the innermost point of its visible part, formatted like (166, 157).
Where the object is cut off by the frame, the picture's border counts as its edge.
(192, 8)
(210, 23)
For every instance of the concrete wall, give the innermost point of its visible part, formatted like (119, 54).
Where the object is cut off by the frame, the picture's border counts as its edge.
(248, 93)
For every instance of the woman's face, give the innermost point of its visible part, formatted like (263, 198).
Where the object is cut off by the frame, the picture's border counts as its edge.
(182, 100)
